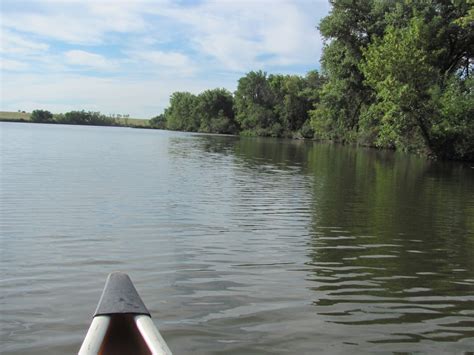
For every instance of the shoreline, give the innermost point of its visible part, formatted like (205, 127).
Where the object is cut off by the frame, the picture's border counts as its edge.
(355, 145)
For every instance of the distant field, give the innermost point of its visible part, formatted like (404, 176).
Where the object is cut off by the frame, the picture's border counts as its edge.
(25, 116)
(135, 122)
(12, 116)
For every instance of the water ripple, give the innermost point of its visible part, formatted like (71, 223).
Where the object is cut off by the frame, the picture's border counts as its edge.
(236, 245)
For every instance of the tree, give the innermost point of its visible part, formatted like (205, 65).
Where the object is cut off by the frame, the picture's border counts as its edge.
(254, 103)
(311, 95)
(41, 116)
(181, 114)
(348, 29)
(276, 105)
(394, 70)
(422, 85)
(82, 117)
(158, 122)
(453, 129)
(397, 68)
(215, 112)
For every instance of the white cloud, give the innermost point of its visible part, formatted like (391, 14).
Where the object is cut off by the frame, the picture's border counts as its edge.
(177, 62)
(247, 35)
(12, 65)
(88, 59)
(235, 33)
(13, 43)
(78, 22)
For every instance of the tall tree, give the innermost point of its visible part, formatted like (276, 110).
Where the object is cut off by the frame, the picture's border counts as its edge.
(181, 114)
(215, 112)
(348, 29)
(418, 70)
(394, 70)
(398, 69)
(254, 102)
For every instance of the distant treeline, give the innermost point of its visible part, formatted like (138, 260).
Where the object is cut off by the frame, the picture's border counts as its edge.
(273, 105)
(91, 118)
(73, 117)
(395, 74)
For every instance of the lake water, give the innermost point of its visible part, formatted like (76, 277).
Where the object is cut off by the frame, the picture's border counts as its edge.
(236, 245)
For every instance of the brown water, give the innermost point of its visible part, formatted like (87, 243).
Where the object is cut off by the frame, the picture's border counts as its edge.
(236, 245)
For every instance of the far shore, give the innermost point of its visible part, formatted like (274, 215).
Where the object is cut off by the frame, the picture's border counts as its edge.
(25, 117)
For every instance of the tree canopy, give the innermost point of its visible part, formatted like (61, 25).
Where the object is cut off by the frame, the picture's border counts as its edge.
(399, 76)
(265, 105)
(41, 116)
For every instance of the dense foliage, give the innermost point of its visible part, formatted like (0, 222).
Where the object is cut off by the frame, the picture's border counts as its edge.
(265, 105)
(74, 117)
(210, 112)
(158, 122)
(399, 76)
(41, 116)
(86, 118)
(215, 112)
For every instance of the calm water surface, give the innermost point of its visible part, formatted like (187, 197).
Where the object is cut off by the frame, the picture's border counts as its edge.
(236, 245)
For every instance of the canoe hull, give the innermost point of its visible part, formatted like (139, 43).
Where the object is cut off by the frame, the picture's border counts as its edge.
(122, 324)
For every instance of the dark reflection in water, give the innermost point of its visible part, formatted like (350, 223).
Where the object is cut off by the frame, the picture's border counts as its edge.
(392, 249)
(237, 245)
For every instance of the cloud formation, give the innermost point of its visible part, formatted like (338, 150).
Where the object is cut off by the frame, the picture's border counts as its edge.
(88, 59)
(129, 56)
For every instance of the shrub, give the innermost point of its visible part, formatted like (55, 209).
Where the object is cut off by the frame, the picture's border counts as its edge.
(42, 116)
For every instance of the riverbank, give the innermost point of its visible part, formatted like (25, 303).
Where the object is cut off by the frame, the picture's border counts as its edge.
(7, 116)
(25, 117)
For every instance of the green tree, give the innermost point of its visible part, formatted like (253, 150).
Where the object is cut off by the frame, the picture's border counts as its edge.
(311, 95)
(290, 107)
(215, 112)
(181, 114)
(92, 118)
(467, 19)
(41, 116)
(392, 67)
(422, 85)
(348, 29)
(276, 105)
(397, 68)
(453, 130)
(254, 103)
(158, 122)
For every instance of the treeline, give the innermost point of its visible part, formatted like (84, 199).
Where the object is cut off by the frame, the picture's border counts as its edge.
(264, 105)
(91, 118)
(399, 76)
(395, 74)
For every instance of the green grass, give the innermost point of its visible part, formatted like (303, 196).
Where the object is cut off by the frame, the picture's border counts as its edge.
(14, 116)
(133, 122)
(25, 116)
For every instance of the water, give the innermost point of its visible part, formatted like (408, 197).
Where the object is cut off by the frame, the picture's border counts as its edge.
(236, 245)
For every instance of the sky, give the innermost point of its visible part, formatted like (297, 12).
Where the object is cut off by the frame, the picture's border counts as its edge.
(128, 56)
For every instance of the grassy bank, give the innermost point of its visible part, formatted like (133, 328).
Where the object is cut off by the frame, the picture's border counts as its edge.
(7, 116)
(14, 116)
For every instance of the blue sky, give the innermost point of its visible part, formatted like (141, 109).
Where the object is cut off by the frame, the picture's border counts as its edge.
(127, 57)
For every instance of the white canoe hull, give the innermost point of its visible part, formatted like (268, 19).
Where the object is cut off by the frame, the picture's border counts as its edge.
(122, 324)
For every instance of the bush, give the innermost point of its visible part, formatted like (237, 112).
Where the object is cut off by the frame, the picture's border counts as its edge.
(87, 118)
(158, 122)
(453, 131)
(42, 116)
(306, 130)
